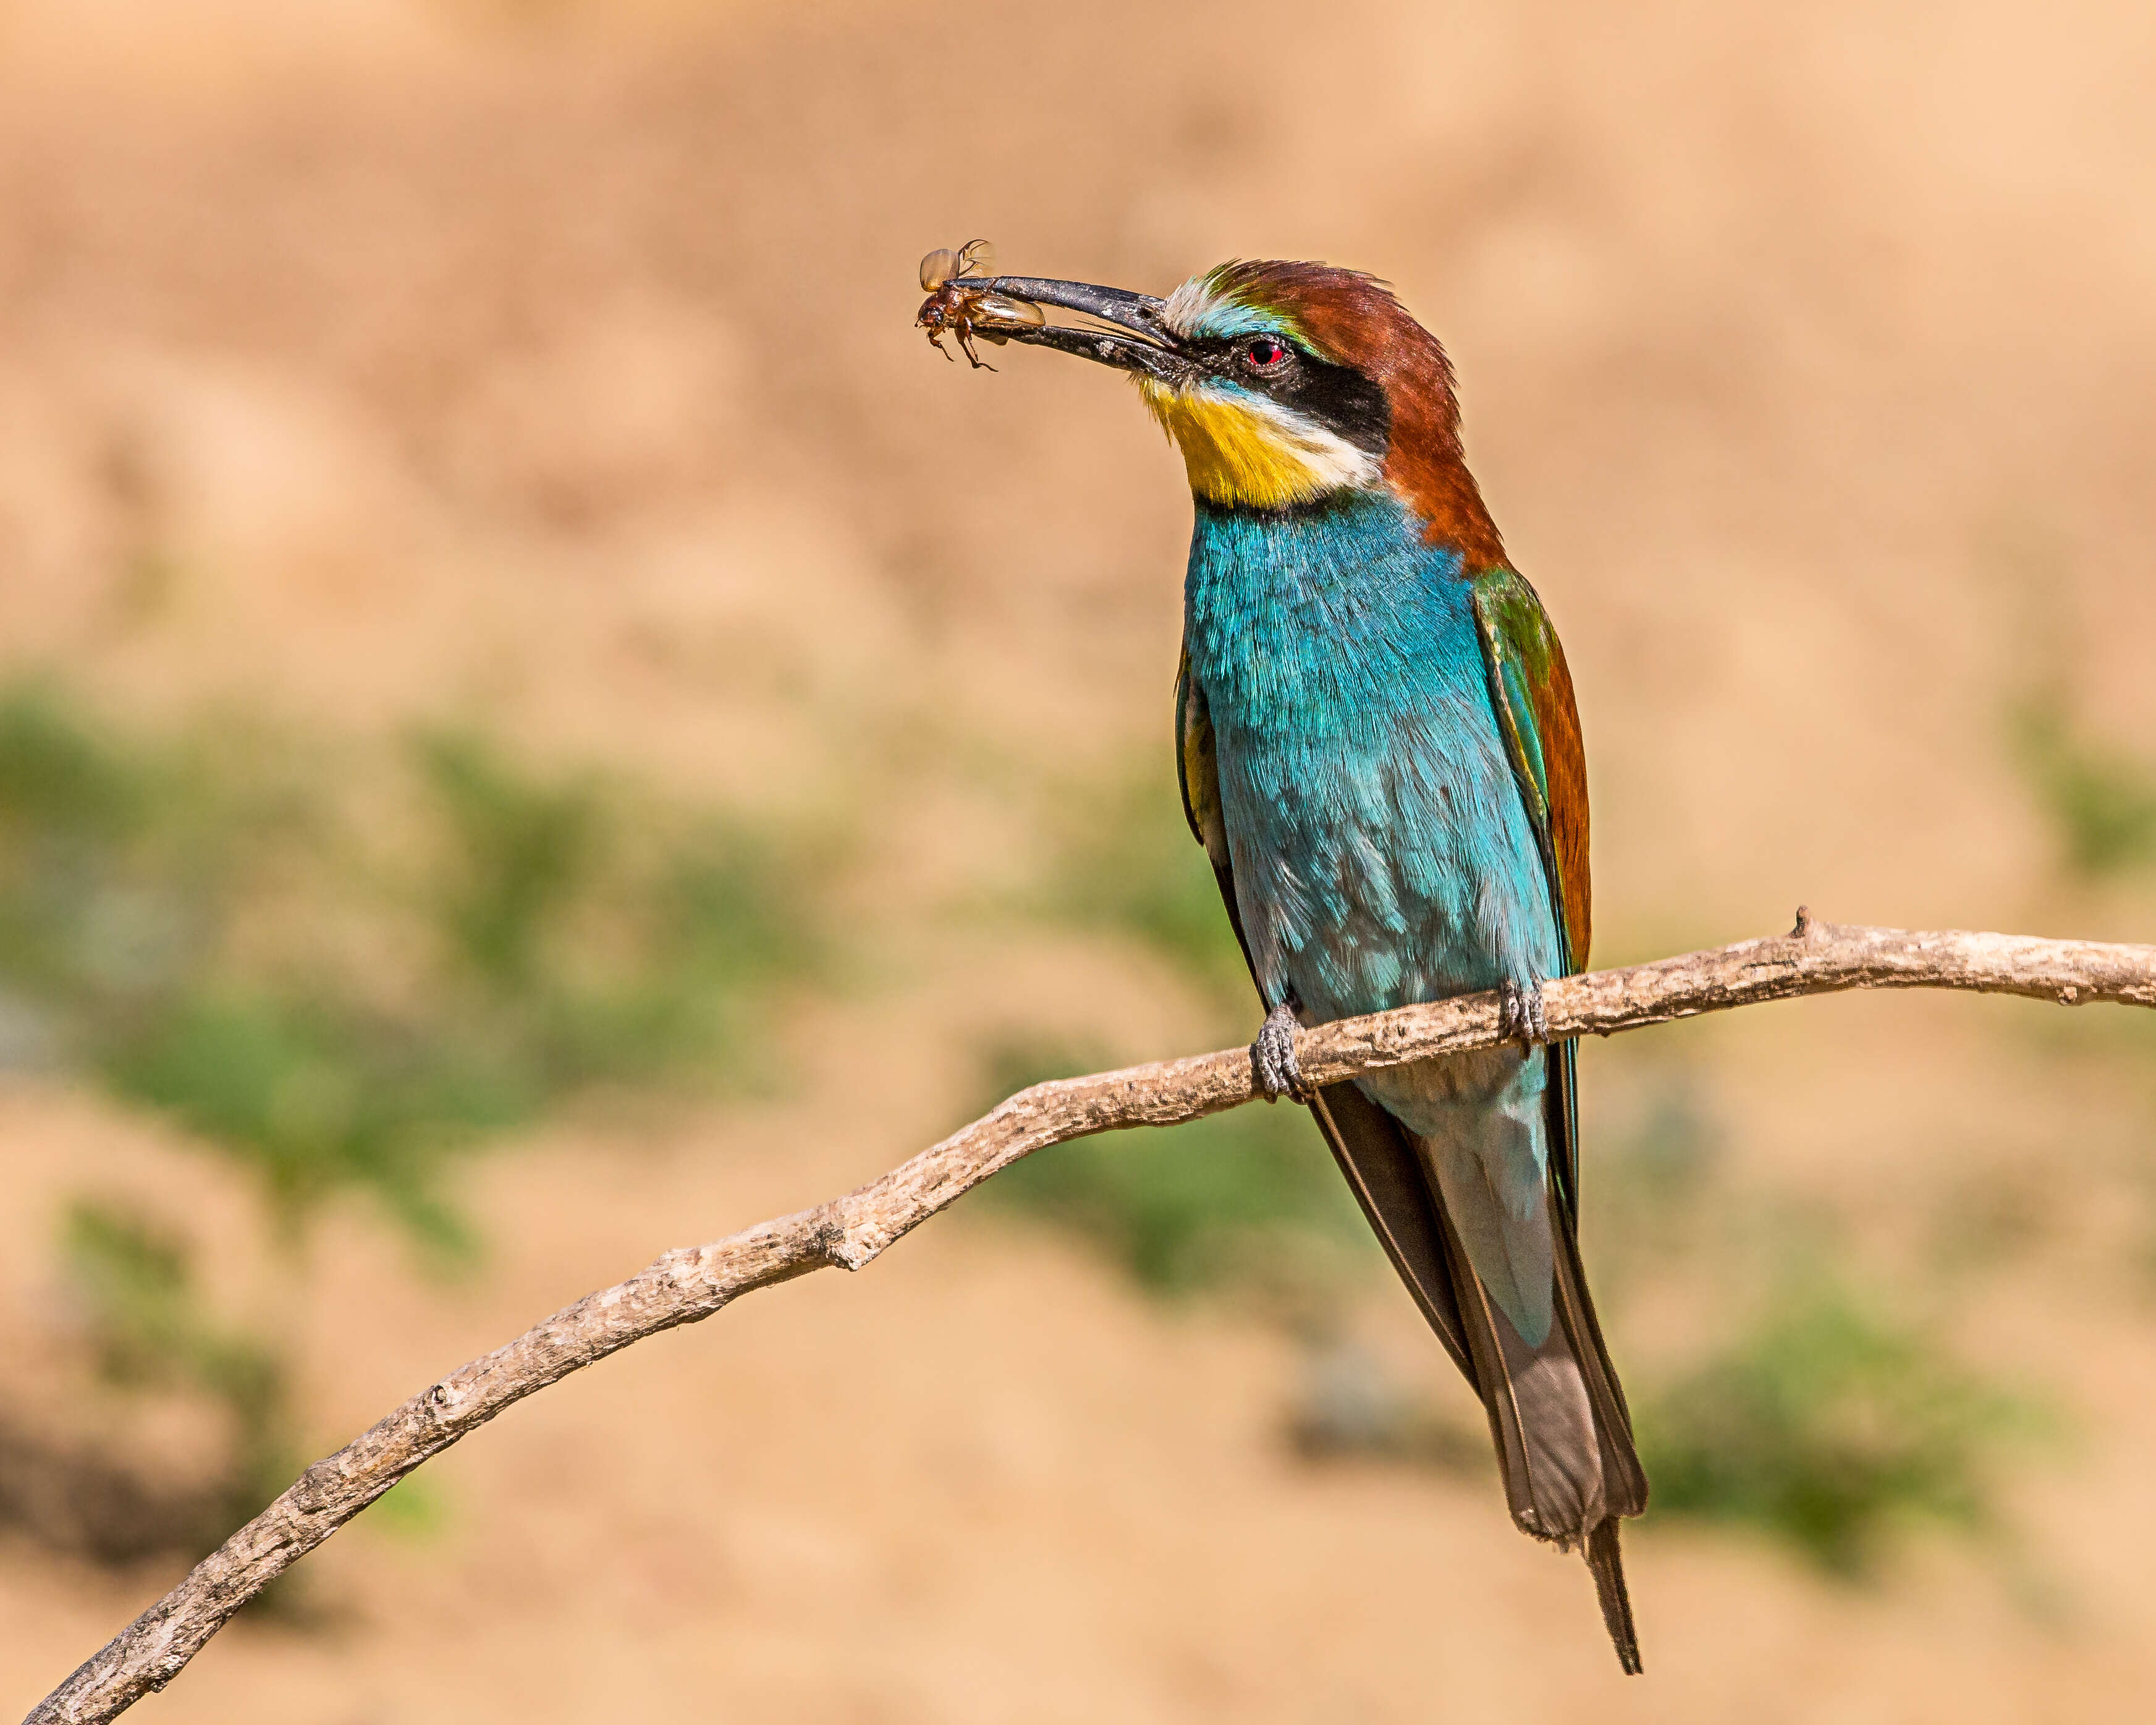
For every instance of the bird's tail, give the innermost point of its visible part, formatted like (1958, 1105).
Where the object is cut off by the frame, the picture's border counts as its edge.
(1563, 1434)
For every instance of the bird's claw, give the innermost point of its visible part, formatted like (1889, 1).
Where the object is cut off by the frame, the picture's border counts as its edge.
(1272, 1058)
(1522, 1017)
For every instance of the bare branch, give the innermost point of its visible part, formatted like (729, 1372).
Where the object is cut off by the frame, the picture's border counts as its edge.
(692, 1283)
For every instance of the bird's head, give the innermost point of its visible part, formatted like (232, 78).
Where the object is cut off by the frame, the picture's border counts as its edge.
(1285, 385)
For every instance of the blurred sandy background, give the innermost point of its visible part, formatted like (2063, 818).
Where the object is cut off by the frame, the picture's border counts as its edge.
(546, 368)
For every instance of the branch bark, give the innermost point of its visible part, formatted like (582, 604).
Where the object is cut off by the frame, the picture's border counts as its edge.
(850, 1232)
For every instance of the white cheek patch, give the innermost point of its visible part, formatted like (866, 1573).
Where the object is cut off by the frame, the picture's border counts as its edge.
(1245, 449)
(1332, 463)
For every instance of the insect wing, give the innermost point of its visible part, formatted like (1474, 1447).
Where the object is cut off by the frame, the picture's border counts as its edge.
(988, 310)
(937, 268)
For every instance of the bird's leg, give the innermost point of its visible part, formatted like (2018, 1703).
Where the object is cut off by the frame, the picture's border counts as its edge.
(1522, 1017)
(1272, 1056)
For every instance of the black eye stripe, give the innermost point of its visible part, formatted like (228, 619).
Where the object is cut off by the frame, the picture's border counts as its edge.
(1338, 398)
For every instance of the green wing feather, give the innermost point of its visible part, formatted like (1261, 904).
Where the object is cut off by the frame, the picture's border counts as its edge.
(1531, 688)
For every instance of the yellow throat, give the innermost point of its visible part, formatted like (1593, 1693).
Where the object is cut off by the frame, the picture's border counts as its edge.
(1244, 451)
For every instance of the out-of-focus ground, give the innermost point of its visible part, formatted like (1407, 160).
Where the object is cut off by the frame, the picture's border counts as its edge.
(549, 367)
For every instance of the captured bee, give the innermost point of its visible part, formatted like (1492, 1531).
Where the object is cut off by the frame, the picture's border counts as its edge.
(956, 308)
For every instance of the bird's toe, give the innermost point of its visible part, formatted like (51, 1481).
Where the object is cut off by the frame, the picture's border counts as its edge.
(1522, 1016)
(1273, 1058)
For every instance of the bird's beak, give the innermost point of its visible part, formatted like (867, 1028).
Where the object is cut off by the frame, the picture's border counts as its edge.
(1149, 349)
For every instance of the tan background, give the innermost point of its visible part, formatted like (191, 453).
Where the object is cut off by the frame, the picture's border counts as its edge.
(552, 364)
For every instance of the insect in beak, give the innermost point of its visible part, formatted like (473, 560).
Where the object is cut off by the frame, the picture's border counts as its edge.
(966, 302)
(958, 304)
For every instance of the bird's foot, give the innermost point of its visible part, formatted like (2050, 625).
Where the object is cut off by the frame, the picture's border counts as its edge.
(1522, 1017)
(1272, 1058)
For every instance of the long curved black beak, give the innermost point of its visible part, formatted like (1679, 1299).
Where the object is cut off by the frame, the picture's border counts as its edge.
(1118, 305)
(1151, 355)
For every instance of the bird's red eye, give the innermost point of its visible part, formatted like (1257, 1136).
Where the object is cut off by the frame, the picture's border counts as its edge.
(1264, 352)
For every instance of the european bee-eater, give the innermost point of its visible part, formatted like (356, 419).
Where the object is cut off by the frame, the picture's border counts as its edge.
(1379, 750)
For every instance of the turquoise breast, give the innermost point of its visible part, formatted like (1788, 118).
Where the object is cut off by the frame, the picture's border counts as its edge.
(1381, 851)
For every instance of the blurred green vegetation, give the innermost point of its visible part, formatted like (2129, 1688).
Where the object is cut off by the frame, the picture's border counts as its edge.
(1824, 1415)
(200, 925)
(1834, 1424)
(342, 971)
(1249, 1200)
(152, 1329)
(412, 1509)
(1127, 865)
(1643, 1185)
(606, 936)
(2098, 797)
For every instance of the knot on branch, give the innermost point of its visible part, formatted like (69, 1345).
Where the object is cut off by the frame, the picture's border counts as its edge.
(829, 1241)
(442, 1402)
(316, 1489)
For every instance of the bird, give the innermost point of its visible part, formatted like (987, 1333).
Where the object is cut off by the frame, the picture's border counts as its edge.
(1380, 749)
